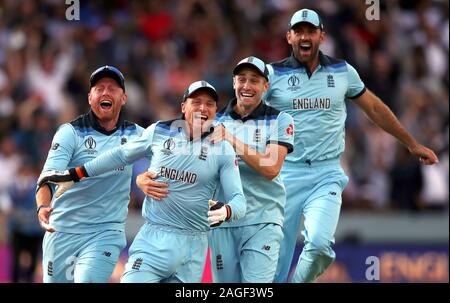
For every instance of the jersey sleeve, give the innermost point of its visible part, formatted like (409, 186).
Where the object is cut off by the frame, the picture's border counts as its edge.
(355, 85)
(282, 132)
(122, 155)
(230, 181)
(62, 149)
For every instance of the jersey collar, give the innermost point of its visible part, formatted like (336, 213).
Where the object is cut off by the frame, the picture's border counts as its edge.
(258, 112)
(323, 61)
(93, 120)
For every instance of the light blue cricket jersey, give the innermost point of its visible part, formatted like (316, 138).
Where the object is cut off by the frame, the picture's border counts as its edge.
(316, 102)
(265, 125)
(192, 168)
(101, 203)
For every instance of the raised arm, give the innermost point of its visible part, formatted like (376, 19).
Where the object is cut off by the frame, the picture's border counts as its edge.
(380, 114)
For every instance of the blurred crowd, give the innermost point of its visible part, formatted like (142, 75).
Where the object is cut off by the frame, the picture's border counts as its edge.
(162, 46)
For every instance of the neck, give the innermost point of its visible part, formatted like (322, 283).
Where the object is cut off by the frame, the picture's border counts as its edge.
(313, 64)
(108, 125)
(192, 133)
(243, 111)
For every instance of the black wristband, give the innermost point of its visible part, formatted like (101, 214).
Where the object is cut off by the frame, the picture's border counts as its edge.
(39, 208)
(228, 212)
(78, 173)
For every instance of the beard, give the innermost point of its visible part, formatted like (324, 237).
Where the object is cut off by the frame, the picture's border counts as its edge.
(305, 56)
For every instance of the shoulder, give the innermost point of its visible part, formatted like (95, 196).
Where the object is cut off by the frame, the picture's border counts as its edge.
(65, 130)
(280, 67)
(81, 122)
(167, 128)
(333, 64)
(128, 125)
(286, 62)
(166, 125)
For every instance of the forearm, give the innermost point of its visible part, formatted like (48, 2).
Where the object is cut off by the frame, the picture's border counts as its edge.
(238, 206)
(265, 164)
(43, 196)
(382, 116)
(106, 162)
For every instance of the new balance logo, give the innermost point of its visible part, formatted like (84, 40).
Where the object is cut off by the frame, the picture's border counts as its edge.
(106, 253)
(266, 247)
(50, 268)
(137, 264)
(332, 193)
(219, 262)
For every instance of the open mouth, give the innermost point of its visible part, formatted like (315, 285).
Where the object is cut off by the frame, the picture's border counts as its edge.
(201, 117)
(306, 47)
(105, 104)
(247, 95)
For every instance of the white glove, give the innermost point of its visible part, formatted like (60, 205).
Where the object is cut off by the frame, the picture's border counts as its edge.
(218, 213)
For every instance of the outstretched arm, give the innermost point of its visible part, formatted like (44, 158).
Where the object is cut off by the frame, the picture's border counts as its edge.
(381, 115)
(113, 159)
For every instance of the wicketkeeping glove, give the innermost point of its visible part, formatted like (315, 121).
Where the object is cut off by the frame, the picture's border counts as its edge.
(64, 179)
(218, 213)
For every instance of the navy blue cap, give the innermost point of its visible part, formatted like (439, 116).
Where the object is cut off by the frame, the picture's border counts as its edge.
(255, 63)
(202, 84)
(306, 15)
(107, 71)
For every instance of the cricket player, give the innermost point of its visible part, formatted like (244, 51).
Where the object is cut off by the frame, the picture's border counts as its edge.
(247, 250)
(313, 87)
(172, 245)
(85, 227)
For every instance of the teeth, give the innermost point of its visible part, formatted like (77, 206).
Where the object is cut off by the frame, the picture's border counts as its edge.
(105, 102)
(246, 95)
(202, 117)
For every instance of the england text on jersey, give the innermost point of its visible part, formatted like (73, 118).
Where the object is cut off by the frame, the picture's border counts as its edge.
(311, 103)
(178, 175)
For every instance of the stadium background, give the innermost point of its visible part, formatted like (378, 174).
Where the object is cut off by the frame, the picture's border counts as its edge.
(393, 208)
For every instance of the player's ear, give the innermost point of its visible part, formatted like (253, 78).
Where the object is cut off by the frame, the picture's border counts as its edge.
(322, 36)
(124, 99)
(89, 98)
(266, 85)
(288, 37)
(183, 107)
(234, 82)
